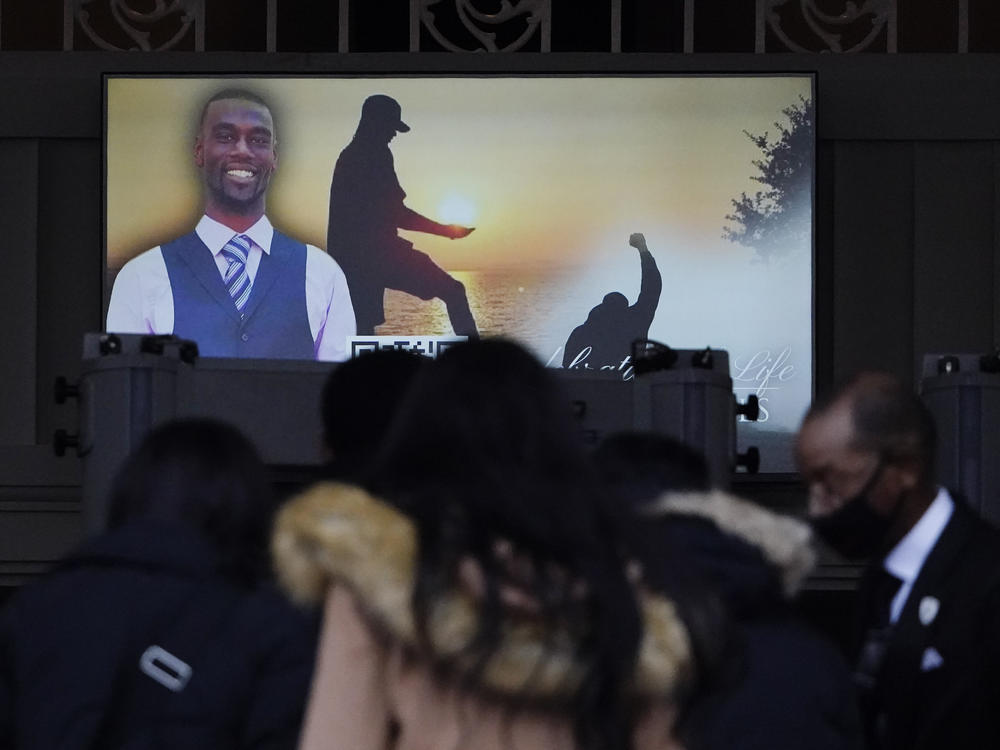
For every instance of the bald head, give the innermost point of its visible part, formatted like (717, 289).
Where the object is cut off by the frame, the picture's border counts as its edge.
(885, 418)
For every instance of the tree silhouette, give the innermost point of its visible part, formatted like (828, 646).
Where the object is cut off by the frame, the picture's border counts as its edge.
(776, 220)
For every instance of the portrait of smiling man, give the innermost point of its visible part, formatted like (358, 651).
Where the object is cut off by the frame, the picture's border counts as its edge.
(236, 285)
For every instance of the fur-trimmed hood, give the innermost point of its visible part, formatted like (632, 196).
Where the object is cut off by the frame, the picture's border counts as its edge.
(339, 533)
(785, 543)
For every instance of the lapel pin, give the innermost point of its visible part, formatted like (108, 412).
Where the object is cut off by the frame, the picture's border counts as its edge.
(931, 659)
(929, 607)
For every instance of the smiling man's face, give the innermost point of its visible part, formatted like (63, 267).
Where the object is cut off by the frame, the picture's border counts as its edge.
(235, 151)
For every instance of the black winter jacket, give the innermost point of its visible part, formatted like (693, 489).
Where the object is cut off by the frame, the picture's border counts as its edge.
(780, 686)
(138, 641)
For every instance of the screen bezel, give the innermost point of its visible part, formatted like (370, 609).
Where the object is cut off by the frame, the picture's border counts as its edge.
(538, 66)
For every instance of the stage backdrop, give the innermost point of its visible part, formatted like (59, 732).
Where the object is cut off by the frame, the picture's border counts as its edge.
(555, 174)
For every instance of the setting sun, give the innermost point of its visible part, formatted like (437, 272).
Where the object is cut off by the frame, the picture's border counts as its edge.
(457, 209)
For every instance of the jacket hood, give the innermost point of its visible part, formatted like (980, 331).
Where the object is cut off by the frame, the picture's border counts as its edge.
(339, 533)
(745, 544)
(163, 545)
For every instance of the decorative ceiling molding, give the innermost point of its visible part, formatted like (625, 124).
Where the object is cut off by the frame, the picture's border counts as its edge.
(802, 26)
(117, 26)
(521, 20)
(831, 26)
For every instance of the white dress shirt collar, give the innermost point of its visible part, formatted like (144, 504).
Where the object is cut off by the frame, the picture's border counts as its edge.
(215, 235)
(908, 556)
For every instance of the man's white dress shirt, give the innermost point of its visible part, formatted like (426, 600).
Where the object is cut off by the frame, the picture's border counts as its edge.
(908, 556)
(142, 301)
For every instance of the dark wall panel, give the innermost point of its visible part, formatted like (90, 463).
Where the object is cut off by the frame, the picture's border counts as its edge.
(872, 264)
(18, 301)
(953, 247)
(33, 535)
(49, 95)
(823, 265)
(70, 262)
(906, 97)
(996, 246)
(907, 238)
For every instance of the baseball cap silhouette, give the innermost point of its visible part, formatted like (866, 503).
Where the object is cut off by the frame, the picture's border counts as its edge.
(384, 109)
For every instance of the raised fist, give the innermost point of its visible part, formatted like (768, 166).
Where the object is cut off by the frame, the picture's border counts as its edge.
(637, 240)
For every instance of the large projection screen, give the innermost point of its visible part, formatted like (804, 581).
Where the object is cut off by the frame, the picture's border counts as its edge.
(555, 173)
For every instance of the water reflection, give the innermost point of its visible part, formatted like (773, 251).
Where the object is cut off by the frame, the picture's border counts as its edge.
(526, 305)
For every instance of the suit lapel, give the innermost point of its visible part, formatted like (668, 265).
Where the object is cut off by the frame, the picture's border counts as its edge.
(911, 649)
(933, 578)
(272, 265)
(199, 259)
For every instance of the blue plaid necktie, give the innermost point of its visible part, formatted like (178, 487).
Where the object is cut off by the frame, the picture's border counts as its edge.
(236, 279)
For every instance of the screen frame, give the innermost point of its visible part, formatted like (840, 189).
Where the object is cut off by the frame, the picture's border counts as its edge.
(525, 65)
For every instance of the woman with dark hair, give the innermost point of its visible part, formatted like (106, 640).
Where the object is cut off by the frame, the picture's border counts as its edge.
(640, 466)
(473, 591)
(162, 632)
(204, 476)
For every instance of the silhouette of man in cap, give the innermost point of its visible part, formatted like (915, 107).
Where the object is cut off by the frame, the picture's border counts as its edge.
(367, 209)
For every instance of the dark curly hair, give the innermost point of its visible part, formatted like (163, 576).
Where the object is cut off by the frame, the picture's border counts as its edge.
(483, 452)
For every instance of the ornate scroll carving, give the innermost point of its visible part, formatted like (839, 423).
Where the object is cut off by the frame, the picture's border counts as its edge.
(471, 28)
(117, 25)
(816, 30)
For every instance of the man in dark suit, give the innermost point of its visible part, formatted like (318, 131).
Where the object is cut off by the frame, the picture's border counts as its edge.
(927, 646)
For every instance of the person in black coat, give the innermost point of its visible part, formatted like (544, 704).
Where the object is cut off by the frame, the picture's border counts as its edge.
(927, 633)
(360, 398)
(776, 685)
(162, 633)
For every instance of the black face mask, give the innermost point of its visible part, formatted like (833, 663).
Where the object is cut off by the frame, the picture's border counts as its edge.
(855, 530)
